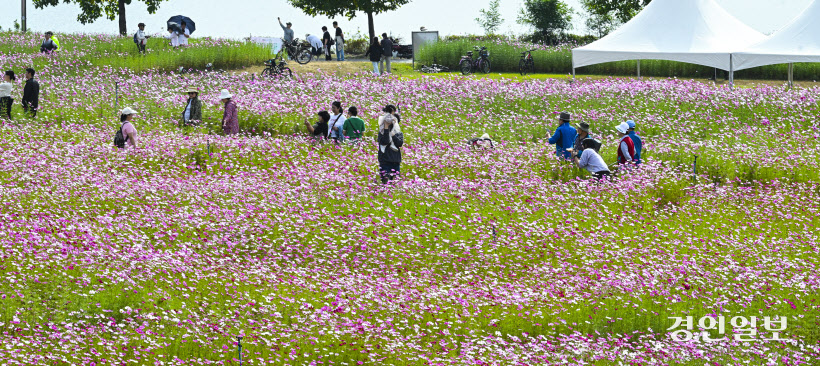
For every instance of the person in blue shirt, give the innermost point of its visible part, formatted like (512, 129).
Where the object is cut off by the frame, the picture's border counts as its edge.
(636, 141)
(564, 137)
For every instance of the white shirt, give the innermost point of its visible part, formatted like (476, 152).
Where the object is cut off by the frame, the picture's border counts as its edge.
(174, 37)
(5, 89)
(592, 162)
(183, 40)
(315, 41)
(141, 37)
(338, 122)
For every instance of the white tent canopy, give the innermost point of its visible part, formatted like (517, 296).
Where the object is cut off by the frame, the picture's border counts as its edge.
(799, 41)
(693, 31)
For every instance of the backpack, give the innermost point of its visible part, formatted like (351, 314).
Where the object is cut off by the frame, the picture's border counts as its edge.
(119, 138)
(135, 38)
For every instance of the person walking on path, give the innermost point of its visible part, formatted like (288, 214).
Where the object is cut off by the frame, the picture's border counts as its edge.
(140, 38)
(636, 140)
(354, 126)
(387, 54)
(184, 34)
(340, 42)
(31, 94)
(288, 31)
(337, 122)
(127, 135)
(319, 129)
(5, 94)
(230, 119)
(327, 41)
(375, 53)
(50, 43)
(626, 148)
(591, 160)
(564, 137)
(390, 142)
(192, 115)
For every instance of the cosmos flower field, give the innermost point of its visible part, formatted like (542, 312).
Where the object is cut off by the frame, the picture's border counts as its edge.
(164, 255)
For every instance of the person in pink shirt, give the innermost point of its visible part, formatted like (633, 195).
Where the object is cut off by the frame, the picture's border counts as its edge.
(230, 120)
(129, 132)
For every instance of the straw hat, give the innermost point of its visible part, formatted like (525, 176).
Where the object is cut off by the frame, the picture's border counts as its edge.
(192, 90)
(225, 95)
(128, 111)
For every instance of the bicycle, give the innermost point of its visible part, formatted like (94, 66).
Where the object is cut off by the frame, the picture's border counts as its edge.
(482, 63)
(297, 51)
(526, 64)
(434, 68)
(272, 68)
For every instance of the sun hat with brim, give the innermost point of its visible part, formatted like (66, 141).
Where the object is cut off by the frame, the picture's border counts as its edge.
(192, 90)
(224, 94)
(622, 128)
(564, 116)
(128, 111)
(631, 124)
(583, 126)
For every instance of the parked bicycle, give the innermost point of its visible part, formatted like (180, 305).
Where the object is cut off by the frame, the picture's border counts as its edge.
(297, 51)
(280, 69)
(468, 64)
(434, 68)
(526, 64)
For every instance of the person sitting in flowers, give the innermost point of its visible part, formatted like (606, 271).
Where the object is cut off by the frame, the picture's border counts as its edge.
(320, 128)
(353, 128)
(626, 148)
(192, 114)
(230, 119)
(563, 138)
(636, 140)
(581, 134)
(591, 160)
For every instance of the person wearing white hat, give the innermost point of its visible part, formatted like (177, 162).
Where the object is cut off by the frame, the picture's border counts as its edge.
(626, 148)
(230, 120)
(127, 134)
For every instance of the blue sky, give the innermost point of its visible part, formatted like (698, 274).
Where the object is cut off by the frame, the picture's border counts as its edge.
(240, 18)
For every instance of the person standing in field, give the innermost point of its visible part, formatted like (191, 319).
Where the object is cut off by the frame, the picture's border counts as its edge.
(184, 34)
(327, 41)
(50, 43)
(354, 126)
(140, 38)
(337, 122)
(375, 53)
(387, 55)
(31, 94)
(5, 94)
(564, 137)
(340, 42)
(192, 114)
(581, 134)
(636, 140)
(173, 36)
(591, 160)
(127, 134)
(390, 141)
(230, 119)
(288, 37)
(626, 148)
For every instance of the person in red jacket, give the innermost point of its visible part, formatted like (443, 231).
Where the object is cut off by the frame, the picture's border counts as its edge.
(626, 147)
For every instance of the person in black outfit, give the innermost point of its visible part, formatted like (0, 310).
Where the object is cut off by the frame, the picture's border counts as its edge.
(320, 128)
(390, 141)
(375, 53)
(31, 94)
(327, 41)
(387, 54)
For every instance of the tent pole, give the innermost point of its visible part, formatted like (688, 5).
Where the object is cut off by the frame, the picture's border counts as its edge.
(791, 75)
(639, 69)
(573, 74)
(731, 73)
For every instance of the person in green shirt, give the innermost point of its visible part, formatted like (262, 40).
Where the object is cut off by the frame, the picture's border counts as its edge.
(353, 128)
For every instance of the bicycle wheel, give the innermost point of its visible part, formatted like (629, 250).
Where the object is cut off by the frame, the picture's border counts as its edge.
(303, 56)
(522, 67)
(484, 66)
(466, 67)
(286, 73)
(531, 66)
(266, 72)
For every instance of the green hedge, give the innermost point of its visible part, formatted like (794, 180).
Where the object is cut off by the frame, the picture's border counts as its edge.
(504, 57)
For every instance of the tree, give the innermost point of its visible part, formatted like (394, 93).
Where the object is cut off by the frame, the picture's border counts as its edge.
(490, 19)
(548, 18)
(601, 25)
(622, 10)
(92, 10)
(348, 8)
